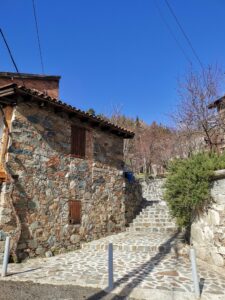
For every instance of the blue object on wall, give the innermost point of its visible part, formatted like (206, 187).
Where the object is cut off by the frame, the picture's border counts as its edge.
(129, 176)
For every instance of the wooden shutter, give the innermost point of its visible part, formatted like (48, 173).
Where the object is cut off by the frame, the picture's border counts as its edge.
(74, 212)
(78, 141)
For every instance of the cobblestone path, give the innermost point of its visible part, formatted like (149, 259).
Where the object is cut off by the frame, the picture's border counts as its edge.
(144, 261)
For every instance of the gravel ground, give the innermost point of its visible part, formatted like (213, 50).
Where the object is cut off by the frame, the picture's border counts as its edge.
(10, 290)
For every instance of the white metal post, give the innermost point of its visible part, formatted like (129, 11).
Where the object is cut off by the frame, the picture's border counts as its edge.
(110, 267)
(6, 256)
(194, 272)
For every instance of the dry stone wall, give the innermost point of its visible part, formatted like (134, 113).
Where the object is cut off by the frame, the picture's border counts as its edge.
(133, 200)
(152, 189)
(208, 232)
(34, 207)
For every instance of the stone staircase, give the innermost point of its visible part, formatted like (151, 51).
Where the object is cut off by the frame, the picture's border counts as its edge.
(155, 217)
(153, 231)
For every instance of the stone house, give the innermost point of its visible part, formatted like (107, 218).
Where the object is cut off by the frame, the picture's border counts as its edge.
(218, 136)
(61, 170)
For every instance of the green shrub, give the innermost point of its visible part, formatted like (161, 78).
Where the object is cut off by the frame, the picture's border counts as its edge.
(187, 187)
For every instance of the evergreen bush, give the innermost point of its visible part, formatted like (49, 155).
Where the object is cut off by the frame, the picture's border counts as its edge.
(187, 187)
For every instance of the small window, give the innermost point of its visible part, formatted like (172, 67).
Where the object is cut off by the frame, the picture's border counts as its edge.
(74, 212)
(78, 141)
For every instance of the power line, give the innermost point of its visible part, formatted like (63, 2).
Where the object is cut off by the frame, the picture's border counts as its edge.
(184, 34)
(171, 32)
(9, 51)
(38, 36)
(11, 56)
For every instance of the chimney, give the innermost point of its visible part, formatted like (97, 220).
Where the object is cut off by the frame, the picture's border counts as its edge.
(46, 84)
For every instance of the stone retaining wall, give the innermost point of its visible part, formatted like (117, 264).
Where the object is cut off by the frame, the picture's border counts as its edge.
(133, 200)
(152, 189)
(208, 232)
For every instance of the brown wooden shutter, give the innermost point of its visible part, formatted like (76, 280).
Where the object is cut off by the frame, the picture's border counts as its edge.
(78, 141)
(74, 212)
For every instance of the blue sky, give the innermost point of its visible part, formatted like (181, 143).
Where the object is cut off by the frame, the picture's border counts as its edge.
(114, 52)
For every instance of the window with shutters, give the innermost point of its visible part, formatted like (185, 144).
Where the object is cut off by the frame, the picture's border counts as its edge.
(78, 141)
(74, 212)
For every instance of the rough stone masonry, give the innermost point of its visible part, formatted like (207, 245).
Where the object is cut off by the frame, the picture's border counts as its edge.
(207, 233)
(34, 206)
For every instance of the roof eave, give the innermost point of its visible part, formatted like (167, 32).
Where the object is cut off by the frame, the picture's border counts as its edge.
(216, 103)
(13, 88)
(29, 75)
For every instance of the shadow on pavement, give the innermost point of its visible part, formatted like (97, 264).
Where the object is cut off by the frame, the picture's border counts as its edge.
(27, 271)
(135, 277)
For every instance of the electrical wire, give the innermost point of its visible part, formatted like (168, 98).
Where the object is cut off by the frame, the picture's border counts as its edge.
(184, 34)
(10, 54)
(38, 37)
(171, 32)
(9, 51)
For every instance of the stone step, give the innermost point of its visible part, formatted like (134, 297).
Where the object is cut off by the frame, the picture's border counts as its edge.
(153, 229)
(154, 217)
(155, 205)
(153, 224)
(156, 208)
(151, 249)
(155, 212)
(137, 242)
(153, 220)
(160, 218)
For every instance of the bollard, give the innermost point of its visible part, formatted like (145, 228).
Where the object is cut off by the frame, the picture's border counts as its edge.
(6, 257)
(194, 272)
(110, 267)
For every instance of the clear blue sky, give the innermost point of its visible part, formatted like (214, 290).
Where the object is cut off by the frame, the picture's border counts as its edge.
(113, 52)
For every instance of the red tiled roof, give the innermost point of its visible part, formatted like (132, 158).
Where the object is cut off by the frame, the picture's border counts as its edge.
(13, 88)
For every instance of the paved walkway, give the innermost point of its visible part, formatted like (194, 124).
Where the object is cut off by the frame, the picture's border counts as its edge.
(132, 270)
(147, 264)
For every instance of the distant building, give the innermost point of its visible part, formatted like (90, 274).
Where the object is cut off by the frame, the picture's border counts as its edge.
(219, 134)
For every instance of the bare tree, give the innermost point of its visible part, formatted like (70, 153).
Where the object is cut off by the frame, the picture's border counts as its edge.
(152, 147)
(193, 117)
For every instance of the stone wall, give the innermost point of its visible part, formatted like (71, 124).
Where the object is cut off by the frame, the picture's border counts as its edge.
(152, 189)
(139, 192)
(208, 232)
(34, 207)
(133, 200)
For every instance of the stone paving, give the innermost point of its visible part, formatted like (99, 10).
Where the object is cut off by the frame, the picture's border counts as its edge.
(143, 262)
(137, 241)
(132, 269)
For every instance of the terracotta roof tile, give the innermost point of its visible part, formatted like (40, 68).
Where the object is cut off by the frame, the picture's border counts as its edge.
(63, 105)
